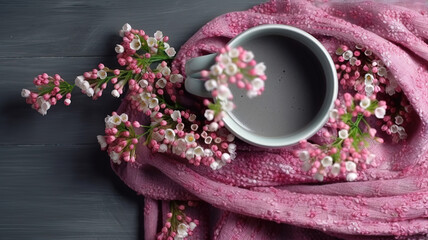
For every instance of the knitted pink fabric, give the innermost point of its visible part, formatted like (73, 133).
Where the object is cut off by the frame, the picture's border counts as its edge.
(264, 194)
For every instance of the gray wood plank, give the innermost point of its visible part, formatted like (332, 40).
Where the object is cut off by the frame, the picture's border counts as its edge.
(69, 192)
(89, 28)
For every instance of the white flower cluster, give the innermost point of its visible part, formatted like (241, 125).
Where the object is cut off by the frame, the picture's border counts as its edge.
(81, 83)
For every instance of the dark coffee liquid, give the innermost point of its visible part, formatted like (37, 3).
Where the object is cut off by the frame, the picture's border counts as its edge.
(294, 91)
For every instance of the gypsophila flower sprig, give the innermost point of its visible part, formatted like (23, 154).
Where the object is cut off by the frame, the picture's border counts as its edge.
(375, 94)
(49, 90)
(178, 225)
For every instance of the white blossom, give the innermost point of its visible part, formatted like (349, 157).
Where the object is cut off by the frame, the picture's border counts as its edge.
(192, 117)
(199, 151)
(381, 71)
(335, 169)
(102, 74)
(350, 166)
(399, 120)
(175, 115)
(25, 93)
(248, 56)
(319, 177)
(161, 83)
(252, 94)
(135, 44)
(214, 165)
(170, 52)
(102, 141)
(260, 68)
(119, 48)
(163, 148)
(180, 126)
(343, 134)
(353, 61)
(190, 153)
(166, 71)
(182, 229)
(208, 140)
(176, 78)
(126, 27)
(194, 127)
(365, 102)
(210, 85)
(334, 114)
(153, 102)
(192, 226)
(143, 83)
(115, 119)
(347, 54)
(257, 84)
(304, 155)
(67, 101)
(170, 134)
(158, 35)
(115, 157)
(79, 81)
(216, 70)
(209, 114)
(393, 128)
(115, 93)
(90, 92)
(368, 78)
(225, 157)
(351, 176)
(213, 127)
(151, 42)
(231, 69)
(158, 137)
(123, 117)
(380, 112)
(233, 53)
(225, 59)
(327, 161)
(190, 138)
(230, 137)
(223, 92)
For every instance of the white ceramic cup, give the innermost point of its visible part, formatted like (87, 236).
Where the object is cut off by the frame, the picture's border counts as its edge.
(300, 89)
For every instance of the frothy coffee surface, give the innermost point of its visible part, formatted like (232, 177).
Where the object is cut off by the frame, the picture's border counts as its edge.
(294, 90)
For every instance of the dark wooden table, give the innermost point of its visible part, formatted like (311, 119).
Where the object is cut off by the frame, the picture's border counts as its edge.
(55, 183)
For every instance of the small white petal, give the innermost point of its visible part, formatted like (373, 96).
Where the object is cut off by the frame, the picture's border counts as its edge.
(380, 112)
(334, 114)
(163, 148)
(399, 120)
(170, 52)
(248, 56)
(257, 84)
(123, 117)
(210, 85)
(161, 83)
(350, 166)
(214, 165)
(351, 176)
(347, 54)
(79, 81)
(176, 78)
(158, 35)
(135, 44)
(119, 48)
(260, 68)
(304, 155)
(209, 114)
(143, 83)
(213, 127)
(175, 115)
(365, 103)
(335, 169)
(225, 157)
(126, 27)
(102, 74)
(223, 92)
(319, 177)
(343, 134)
(115, 93)
(327, 161)
(25, 93)
(151, 42)
(231, 69)
(233, 53)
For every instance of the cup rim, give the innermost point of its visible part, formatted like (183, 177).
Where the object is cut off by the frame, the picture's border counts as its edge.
(331, 88)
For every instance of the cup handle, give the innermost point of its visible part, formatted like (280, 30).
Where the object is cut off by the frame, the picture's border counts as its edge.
(194, 83)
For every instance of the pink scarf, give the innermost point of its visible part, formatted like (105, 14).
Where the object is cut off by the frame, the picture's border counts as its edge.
(264, 194)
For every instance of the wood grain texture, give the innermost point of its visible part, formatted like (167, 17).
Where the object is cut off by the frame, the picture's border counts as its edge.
(55, 183)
